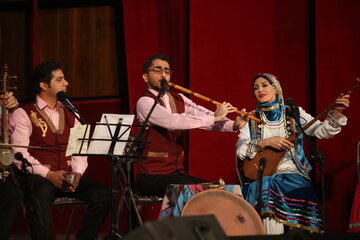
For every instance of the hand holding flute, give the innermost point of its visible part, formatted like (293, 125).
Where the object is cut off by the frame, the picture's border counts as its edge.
(241, 113)
(225, 108)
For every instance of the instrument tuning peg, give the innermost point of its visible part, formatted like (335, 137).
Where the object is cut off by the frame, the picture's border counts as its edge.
(12, 77)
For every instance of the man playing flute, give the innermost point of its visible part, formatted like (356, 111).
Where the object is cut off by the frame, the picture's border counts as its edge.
(175, 113)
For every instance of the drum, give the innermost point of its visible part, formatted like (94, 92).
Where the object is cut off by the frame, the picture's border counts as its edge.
(235, 215)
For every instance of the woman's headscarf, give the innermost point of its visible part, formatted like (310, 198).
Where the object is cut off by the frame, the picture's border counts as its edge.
(275, 83)
(272, 110)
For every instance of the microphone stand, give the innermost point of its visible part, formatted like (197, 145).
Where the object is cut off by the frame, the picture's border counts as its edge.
(114, 216)
(318, 157)
(24, 168)
(259, 186)
(80, 118)
(161, 93)
(135, 150)
(33, 210)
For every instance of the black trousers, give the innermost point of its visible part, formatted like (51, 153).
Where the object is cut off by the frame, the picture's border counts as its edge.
(10, 202)
(39, 196)
(155, 185)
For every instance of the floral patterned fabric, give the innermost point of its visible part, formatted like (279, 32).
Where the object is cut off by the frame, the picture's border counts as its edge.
(177, 195)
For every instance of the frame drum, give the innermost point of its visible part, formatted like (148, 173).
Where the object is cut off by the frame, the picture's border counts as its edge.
(235, 215)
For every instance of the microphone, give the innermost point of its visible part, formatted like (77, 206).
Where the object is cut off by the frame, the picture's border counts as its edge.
(61, 96)
(164, 85)
(262, 164)
(18, 156)
(293, 111)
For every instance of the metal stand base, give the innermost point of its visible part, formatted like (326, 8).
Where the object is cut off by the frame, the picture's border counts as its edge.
(112, 236)
(128, 196)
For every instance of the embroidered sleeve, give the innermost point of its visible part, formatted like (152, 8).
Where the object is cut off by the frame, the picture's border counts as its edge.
(336, 122)
(253, 148)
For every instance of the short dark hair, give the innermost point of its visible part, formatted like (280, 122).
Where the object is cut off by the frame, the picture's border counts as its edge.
(42, 73)
(149, 61)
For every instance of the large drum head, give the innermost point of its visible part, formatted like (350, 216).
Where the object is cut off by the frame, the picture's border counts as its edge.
(235, 215)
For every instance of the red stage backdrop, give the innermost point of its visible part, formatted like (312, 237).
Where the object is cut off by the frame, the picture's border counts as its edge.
(338, 64)
(218, 46)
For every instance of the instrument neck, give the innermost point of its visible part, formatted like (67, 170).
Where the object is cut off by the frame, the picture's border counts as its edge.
(5, 126)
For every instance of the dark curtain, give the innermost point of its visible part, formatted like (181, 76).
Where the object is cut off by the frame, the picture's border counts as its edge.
(151, 27)
(35, 34)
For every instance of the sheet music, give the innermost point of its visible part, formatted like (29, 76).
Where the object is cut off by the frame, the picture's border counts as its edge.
(74, 143)
(102, 132)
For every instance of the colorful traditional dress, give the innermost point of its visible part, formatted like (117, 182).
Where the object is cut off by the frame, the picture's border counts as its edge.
(287, 195)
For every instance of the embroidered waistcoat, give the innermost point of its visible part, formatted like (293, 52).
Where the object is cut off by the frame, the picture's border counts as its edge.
(164, 152)
(44, 134)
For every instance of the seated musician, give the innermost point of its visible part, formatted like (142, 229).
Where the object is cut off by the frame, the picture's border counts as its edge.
(10, 194)
(287, 196)
(46, 123)
(164, 163)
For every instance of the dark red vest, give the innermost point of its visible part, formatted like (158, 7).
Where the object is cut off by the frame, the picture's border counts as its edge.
(45, 135)
(164, 153)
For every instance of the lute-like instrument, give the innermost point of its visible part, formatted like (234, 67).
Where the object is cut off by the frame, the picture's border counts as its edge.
(6, 154)
(274, 156)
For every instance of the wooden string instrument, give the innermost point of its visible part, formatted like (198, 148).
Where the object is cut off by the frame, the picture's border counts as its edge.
(274, 156)
(241, 113)
(6, 154)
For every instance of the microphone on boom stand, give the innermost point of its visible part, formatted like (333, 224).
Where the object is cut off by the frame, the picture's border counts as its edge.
(24, 162)
(164, 87)
(61, 96)
(293, 111)
(262, 165)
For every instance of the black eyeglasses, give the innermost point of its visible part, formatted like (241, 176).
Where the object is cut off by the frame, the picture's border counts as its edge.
(161, 70)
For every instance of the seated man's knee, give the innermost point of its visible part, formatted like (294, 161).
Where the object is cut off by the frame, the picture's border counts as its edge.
(14, 194)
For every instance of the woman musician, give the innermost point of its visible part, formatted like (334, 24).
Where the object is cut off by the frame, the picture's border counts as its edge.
(287, 196)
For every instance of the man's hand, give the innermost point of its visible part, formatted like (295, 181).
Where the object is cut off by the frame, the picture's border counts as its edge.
(223, 110)
(57, 178)
(10, 101)
(76, 181)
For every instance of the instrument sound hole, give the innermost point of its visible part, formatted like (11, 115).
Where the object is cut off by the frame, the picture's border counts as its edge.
(240, 218)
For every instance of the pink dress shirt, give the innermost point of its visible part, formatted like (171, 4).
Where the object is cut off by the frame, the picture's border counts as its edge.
(22, 133)
(195, 116)
(10, 120)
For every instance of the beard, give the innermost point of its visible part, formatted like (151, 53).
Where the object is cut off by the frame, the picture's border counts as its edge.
(153, 86)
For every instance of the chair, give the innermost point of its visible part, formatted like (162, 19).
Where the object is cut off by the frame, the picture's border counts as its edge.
(141, 200)
(74, 203)
(59, 202)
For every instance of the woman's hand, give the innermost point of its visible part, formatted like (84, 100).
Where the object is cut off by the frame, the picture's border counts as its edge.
(342, 102)
(241, 121)
(279, 143)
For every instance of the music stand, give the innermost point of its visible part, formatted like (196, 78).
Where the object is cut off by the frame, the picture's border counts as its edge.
(109, 139)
